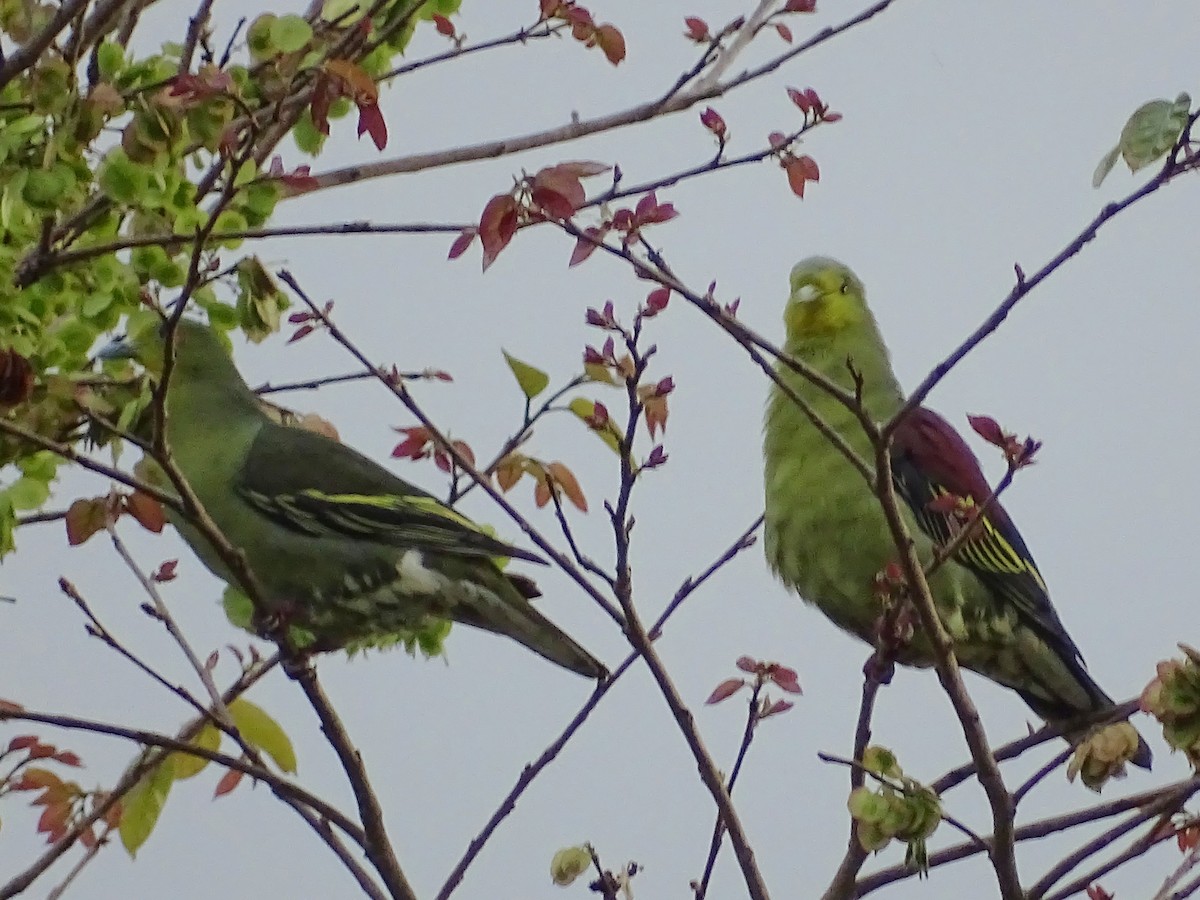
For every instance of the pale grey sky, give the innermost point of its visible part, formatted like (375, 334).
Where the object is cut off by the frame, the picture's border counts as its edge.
(970, 134)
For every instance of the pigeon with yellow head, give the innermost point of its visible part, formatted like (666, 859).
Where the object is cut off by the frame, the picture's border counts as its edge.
(825, 531)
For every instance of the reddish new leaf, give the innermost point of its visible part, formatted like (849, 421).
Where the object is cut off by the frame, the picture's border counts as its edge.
(711, 119)
(656, 302)
(586, 245)
(989, 429)
(801, 99)
(611, 42)
(800, 170)
(165, 572)
(657, 457)
(462, 242)
(497, 225)
(147, 511)
(509, 471)
(775, 708)
(230, 780)
(784, 32)
(415, 441)
(565, 479)
(725, 690)
(697, 30)
(84, 518)
(370, 121)
(800, 6)
(747, 664)
(785, 678)
(443, 25)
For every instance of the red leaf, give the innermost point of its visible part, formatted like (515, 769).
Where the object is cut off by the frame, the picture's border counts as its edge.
(795, 177)
(22, 742)
(656, 301)
(725, 690)
(67, 758)
(552, 203)
(786, 678)
(989, 429)
(84, 518)
(783, 31)
(697, 30)
(584, 168)
(800, 6)
(584, 247)
(747, 664)
(800, 98)
(165, 572)
(147, 511)
(230, 780)
(611, 42)
(414, 443)
(774, 709)
(497, 226)
(462, 242)
(568, 483)
(711, 119)
(302, 332)
(443, 25)
(1095, 892)
(657, 457)
(370, 120)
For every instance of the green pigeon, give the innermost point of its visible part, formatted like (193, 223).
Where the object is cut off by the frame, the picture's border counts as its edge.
(339, 545)
(825, 532)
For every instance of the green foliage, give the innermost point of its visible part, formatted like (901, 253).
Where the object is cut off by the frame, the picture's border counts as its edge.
(1148, 135)
(530, 379)
(182, 167)
(142, 806)
(901, 808)
(262, 732)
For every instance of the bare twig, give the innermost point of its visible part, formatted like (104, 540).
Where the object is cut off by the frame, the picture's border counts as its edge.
(25, 878)
(714, 845)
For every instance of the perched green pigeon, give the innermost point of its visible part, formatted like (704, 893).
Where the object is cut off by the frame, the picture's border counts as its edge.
(340, 545)
(827, 538)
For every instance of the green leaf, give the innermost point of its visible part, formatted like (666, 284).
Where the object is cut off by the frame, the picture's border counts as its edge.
(585, 409)
(8, 522)
(1105, 166)
(290, 33)
(1153, 130)
(259, 730)
(568, 864)
(185, 764)
(530, 379)
(142, 805)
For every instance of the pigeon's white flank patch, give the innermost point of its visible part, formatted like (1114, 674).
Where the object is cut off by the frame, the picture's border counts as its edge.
(415, 578)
